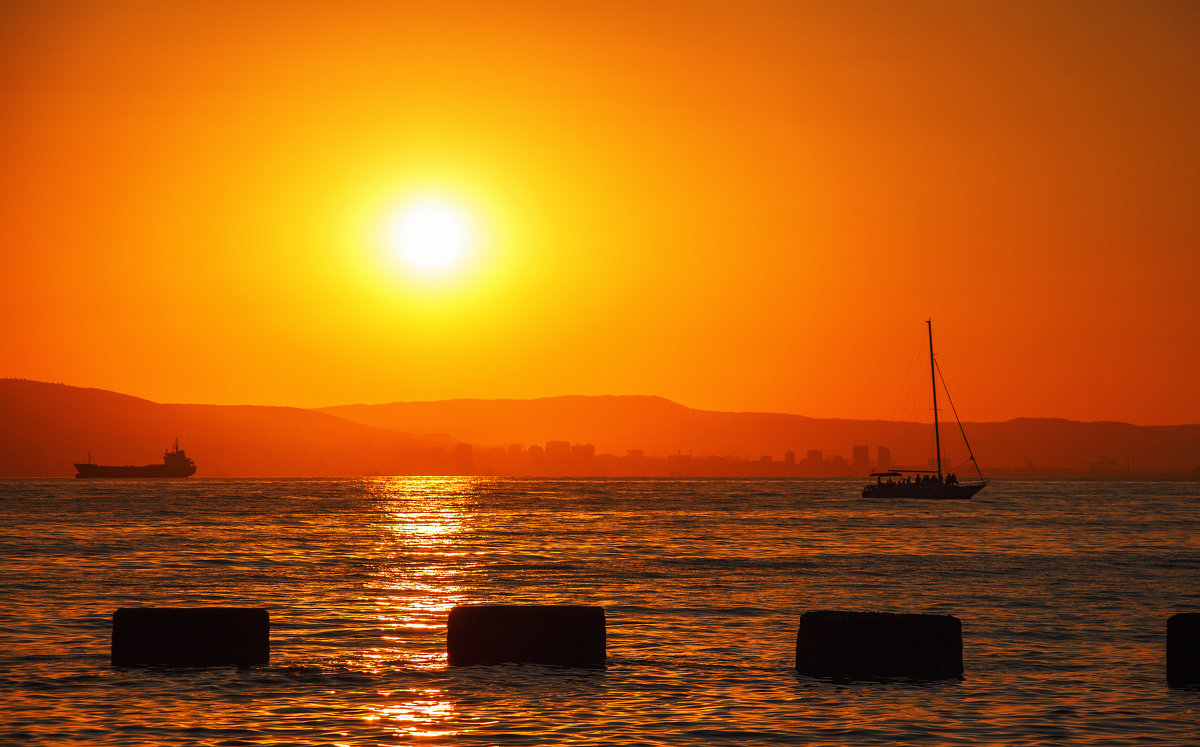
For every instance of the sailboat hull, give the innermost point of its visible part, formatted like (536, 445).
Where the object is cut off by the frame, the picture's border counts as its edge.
(935, 491)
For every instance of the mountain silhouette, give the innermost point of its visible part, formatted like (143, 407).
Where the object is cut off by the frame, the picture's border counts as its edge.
(45, 428)
(660, 427)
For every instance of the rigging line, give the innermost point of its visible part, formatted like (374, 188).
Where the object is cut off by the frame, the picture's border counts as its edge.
(956, 420)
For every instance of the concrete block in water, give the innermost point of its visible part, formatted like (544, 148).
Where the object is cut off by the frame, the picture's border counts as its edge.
(560, 635)
(190, 637)
(874, 645)
(1183, 649)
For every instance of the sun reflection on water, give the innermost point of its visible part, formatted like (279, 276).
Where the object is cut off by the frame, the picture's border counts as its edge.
(420, 712)
(424, 524)
(425, 520)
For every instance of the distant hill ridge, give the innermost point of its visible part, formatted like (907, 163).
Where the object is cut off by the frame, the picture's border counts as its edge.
(45, 427)
(659, 426)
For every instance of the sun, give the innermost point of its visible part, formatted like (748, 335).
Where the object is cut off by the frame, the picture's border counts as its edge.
(430, 237)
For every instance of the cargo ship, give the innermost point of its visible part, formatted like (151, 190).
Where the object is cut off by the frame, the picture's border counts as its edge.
(176, 463)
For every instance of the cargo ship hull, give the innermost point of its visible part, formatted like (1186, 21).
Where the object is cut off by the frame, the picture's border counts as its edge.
(150, 470)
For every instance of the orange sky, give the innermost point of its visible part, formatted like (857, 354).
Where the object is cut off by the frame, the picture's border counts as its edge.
(736, 205)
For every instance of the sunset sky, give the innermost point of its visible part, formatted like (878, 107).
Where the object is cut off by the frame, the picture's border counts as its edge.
(735, 205)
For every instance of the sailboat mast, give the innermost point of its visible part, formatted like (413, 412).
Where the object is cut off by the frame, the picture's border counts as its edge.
(937, 439)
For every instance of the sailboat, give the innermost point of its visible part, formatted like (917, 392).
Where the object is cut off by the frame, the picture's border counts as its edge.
(910, 483)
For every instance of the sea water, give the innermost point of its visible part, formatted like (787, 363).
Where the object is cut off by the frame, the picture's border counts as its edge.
(1063, 589)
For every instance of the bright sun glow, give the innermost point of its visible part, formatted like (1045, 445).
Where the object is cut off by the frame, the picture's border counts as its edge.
(431, 237)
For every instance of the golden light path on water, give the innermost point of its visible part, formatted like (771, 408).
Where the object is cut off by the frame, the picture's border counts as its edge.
(424, 519)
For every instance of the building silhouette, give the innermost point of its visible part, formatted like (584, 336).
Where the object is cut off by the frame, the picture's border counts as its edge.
(862, 460)
(558, 452)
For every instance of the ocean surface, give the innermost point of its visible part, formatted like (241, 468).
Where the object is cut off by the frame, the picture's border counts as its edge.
(1063, 588)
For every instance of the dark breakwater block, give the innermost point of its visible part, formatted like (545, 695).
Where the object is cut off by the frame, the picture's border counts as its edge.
(1183, 650)
(874, 645)
(559, 635)
(190, 637)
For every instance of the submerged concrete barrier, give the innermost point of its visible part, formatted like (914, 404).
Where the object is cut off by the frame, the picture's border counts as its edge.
(873, 645)
(560, 635)
(190, 637)
(1183, 649)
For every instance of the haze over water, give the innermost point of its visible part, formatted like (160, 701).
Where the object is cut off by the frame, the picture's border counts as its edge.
(1063, 589)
